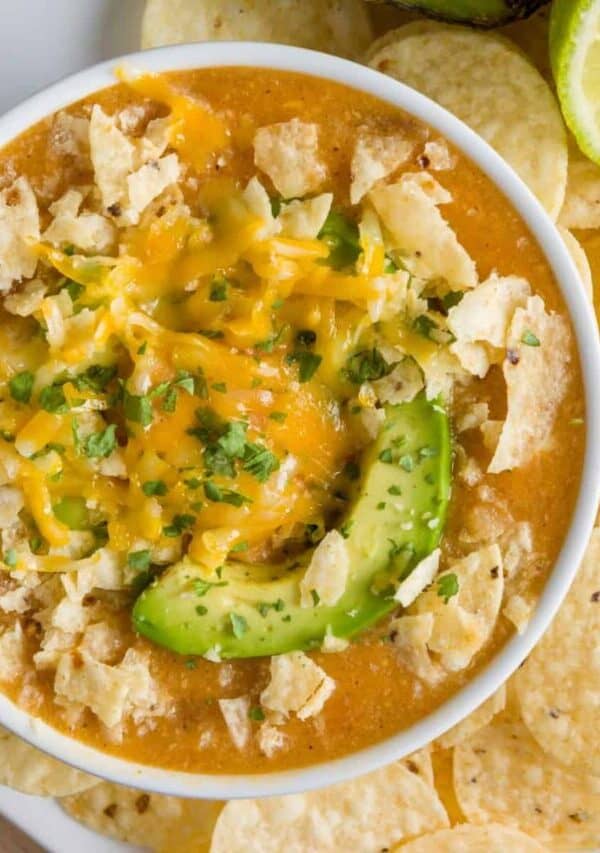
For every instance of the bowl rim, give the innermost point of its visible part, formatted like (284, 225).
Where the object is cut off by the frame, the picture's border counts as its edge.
(511, 655)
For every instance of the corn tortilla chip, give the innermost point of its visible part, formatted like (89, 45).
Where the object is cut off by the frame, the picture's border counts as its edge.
(340, 27)
(559, 685)
(474, 722)
(370, 813)
(501, 774)
(475, 839)
(150, 820)
(26, 769)
(491, 86)
(288, 152)
(580, 260)
(581, 208)
(536, 374)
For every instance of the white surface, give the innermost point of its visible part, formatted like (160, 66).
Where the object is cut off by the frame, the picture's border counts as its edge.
(71, 33)
(40, 42)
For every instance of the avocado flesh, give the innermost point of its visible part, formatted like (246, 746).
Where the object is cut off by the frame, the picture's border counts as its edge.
(179, 611)
(480, 13)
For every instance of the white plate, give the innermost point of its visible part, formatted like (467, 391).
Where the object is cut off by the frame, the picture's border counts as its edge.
(40, 42)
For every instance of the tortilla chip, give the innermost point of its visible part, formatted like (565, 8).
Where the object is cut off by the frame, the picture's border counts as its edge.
(374, 158)
(420, 762)
(580, 260)
(410, 635)
(484, 314)
(436, 156)
(12, 653)
(492, 87)
(501, 774)
(303, 220)
(536, 377)
(420, 578)
(370, 813)
(19, 228)
(89, 232)
(416, 228)
(559, 685)
(479, 718)
(401, 385)
(341, 27)
(581, 207)
(288, 153)
(270, 739)
(235, 714)
(26, 769)
(164, 823)
(297, 686)
(113, 158)
(464, 623)
(518, 610)
(493, 838)
(327, 572)
(148, 183)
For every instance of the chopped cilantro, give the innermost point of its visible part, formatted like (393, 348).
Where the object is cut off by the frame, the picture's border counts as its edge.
(138, 409)
(201, 610)
(191, 663)
(279, 417)
(179, 524)
(239, 547)
(428, 452)
(529, 339)
(154, 487)
(201, 586)
(366, 365)
(193, 483)
(308, 363)
(407, 462)
(72, 511)
(21, 386)
(259, 461)
(239, 626)
(218, 494)
(99, 445)
(257, 714)
(341, 236)
(219, 386)
(73, 288)
(10, 557)
(380, 505)
(447, 586)
(269, 344)
(95, 378)
(315, 597)
(265, 606)
(452, 298)
(211, 334)
(142, 348)
(346, 528)
(52, 399)
(351, 471)
(424, 325)
(386, 456)
(219, 289)
(139, 561)
(394, 490)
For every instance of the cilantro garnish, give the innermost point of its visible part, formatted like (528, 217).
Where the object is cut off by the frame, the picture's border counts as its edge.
(257, 714)
(239, 547)
(447, 586)
(139, 561)
(308, 363)
(201, 586)
(73, 288)
(95, 378)
(346, 528)
(138, 408)
(279, 417)
(211, 334)
(239, 626)
(315, 597)
(351, 471)
(424, 325)
(366, 365)
(98, 445)
(10, 557)
(342, 237)
(394, 490)
(52, 399)
(201, 610)
(265, 606)
(218, 494)
(386, 456)
(154, 487)
(178, 525)
(407, 462)
(259, 461)
(529, 339)
(21, 386)
(219, 289)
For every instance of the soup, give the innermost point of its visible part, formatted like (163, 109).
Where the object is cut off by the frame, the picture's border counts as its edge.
(292, 420)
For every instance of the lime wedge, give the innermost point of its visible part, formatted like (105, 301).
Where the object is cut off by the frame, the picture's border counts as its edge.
(575, 57)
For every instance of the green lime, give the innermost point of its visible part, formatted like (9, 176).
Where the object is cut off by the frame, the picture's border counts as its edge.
(575, 57)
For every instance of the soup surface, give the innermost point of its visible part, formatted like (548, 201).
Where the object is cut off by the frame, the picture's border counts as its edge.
(270, 346)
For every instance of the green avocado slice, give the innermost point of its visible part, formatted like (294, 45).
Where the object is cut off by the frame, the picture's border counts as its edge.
(480, 13)
(394, 521)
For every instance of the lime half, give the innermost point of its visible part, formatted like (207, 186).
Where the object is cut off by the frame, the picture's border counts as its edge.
(575, 57)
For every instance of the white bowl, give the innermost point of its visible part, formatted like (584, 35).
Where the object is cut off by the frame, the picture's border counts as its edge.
(282, 58)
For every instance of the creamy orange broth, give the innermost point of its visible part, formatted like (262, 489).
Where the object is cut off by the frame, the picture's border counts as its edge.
(375, 697)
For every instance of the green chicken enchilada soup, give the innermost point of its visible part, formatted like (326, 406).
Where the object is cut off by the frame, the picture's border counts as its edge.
(292, 420)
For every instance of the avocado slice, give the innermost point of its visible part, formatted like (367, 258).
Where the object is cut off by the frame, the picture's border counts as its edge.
(395, 519)
(479, 13)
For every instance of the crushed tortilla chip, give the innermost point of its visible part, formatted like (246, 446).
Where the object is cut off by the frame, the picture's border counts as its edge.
(113, 158)
(235, 714)
(536, 377)
(271, 739)
(437, 156)
(302, 219)
(148, 183)
(465, 838)
(418, 231)
(12, 653)
(420, 578)
(297, 686)
(89, 232)
(19, 230)
(325, 578)
(289, 154)
(374, 158)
